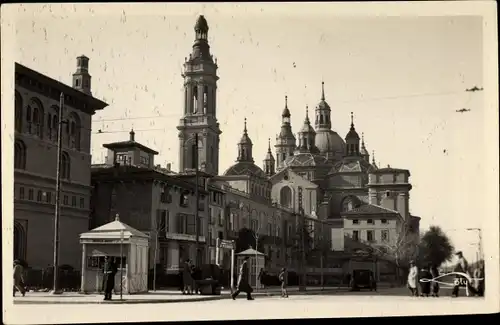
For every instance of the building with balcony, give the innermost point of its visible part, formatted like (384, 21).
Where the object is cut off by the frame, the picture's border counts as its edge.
(37, 100)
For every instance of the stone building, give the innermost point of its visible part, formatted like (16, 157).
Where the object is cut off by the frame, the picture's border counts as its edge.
(37, 99)
(339, 183)
(152, 200)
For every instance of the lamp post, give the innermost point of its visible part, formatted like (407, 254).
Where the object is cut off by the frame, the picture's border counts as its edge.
(479, 244)
(302, 286)
(197, 194)
(121, 264)
(57, 209)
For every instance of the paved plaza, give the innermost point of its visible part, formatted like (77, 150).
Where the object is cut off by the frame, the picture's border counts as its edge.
(175, 296)
(387, 302)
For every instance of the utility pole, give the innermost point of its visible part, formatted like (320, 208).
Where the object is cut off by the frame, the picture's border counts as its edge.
(479, 244)
(57, 209)
(197, 194)
(302, 286)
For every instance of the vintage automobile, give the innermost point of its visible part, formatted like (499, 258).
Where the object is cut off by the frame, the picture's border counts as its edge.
(362, 279)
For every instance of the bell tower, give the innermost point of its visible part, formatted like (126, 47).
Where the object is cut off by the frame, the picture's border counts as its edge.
(200, 108)
(81, 77)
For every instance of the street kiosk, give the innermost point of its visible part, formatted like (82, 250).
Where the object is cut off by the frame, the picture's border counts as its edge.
(127, 245)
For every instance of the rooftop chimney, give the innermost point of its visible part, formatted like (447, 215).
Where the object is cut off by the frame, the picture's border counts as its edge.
(132, 135)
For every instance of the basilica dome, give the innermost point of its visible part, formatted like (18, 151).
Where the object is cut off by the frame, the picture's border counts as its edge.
(352, 166)
(245, 168)
(329, 141)
(305, 160)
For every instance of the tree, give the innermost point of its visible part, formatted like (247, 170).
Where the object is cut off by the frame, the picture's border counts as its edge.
(435, 247)
(247, 239)
(399, 251)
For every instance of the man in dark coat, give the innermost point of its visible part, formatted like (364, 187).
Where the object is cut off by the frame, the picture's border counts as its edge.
(187, 279)
(19, 278)
(463, 267)
(425, 281)
(243, 278)
(110, 270)
(435, 284)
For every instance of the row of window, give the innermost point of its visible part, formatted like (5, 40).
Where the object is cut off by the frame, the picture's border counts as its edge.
(21, 155)
(220, 217)
(49, 197)
(33, 120)
(370, 235)
(368, 221)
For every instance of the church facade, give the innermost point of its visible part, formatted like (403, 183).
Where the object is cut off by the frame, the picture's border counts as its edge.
(341, 186)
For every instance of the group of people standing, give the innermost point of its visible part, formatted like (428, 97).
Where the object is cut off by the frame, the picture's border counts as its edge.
(425, 283)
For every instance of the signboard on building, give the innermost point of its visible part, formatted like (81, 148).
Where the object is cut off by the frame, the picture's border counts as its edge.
(226, 244)
(186, 237)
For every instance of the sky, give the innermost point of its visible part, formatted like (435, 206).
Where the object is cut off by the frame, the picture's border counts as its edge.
(403, 77)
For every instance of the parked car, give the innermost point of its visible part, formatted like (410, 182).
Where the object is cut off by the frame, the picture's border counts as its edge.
(362, 279)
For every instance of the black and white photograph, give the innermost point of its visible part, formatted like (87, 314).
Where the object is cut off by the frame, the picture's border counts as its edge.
(217, 161)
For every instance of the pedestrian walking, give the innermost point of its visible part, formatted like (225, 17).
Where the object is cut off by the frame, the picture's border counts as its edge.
(187, 279)
(261, 277)
(195, 275)
(110, 270)
(243, 277)
(463, 267)
(479, 279)
(373, 281)
(412, 279)
(435, 284)
(19, 278)
(283, 277)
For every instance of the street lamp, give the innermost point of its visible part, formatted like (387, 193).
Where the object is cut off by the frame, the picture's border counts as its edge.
(58, 195)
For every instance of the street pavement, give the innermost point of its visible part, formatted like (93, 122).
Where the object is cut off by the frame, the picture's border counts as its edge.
(175, 296)
(160, 296)
(330, 303)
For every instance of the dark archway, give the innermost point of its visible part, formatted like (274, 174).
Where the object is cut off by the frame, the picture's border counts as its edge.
(19, 242)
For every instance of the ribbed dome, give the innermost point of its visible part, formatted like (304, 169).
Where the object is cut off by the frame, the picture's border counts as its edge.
(245, 168)
(352, 166)
(306, 160)
(329, 141)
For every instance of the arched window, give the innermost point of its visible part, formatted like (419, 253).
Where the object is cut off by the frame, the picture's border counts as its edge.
(19, 155)
(286, 197)
(19, 241)
(37, 117)
(195, 98)
(18, 113)
(52, 123)
(74, 131)
(65, 166)
(349, 202)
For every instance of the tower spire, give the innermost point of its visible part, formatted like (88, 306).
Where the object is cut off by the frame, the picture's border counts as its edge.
(245, 132)
(269, 145)
(322, 90)
(373, 158)
(352, 121)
